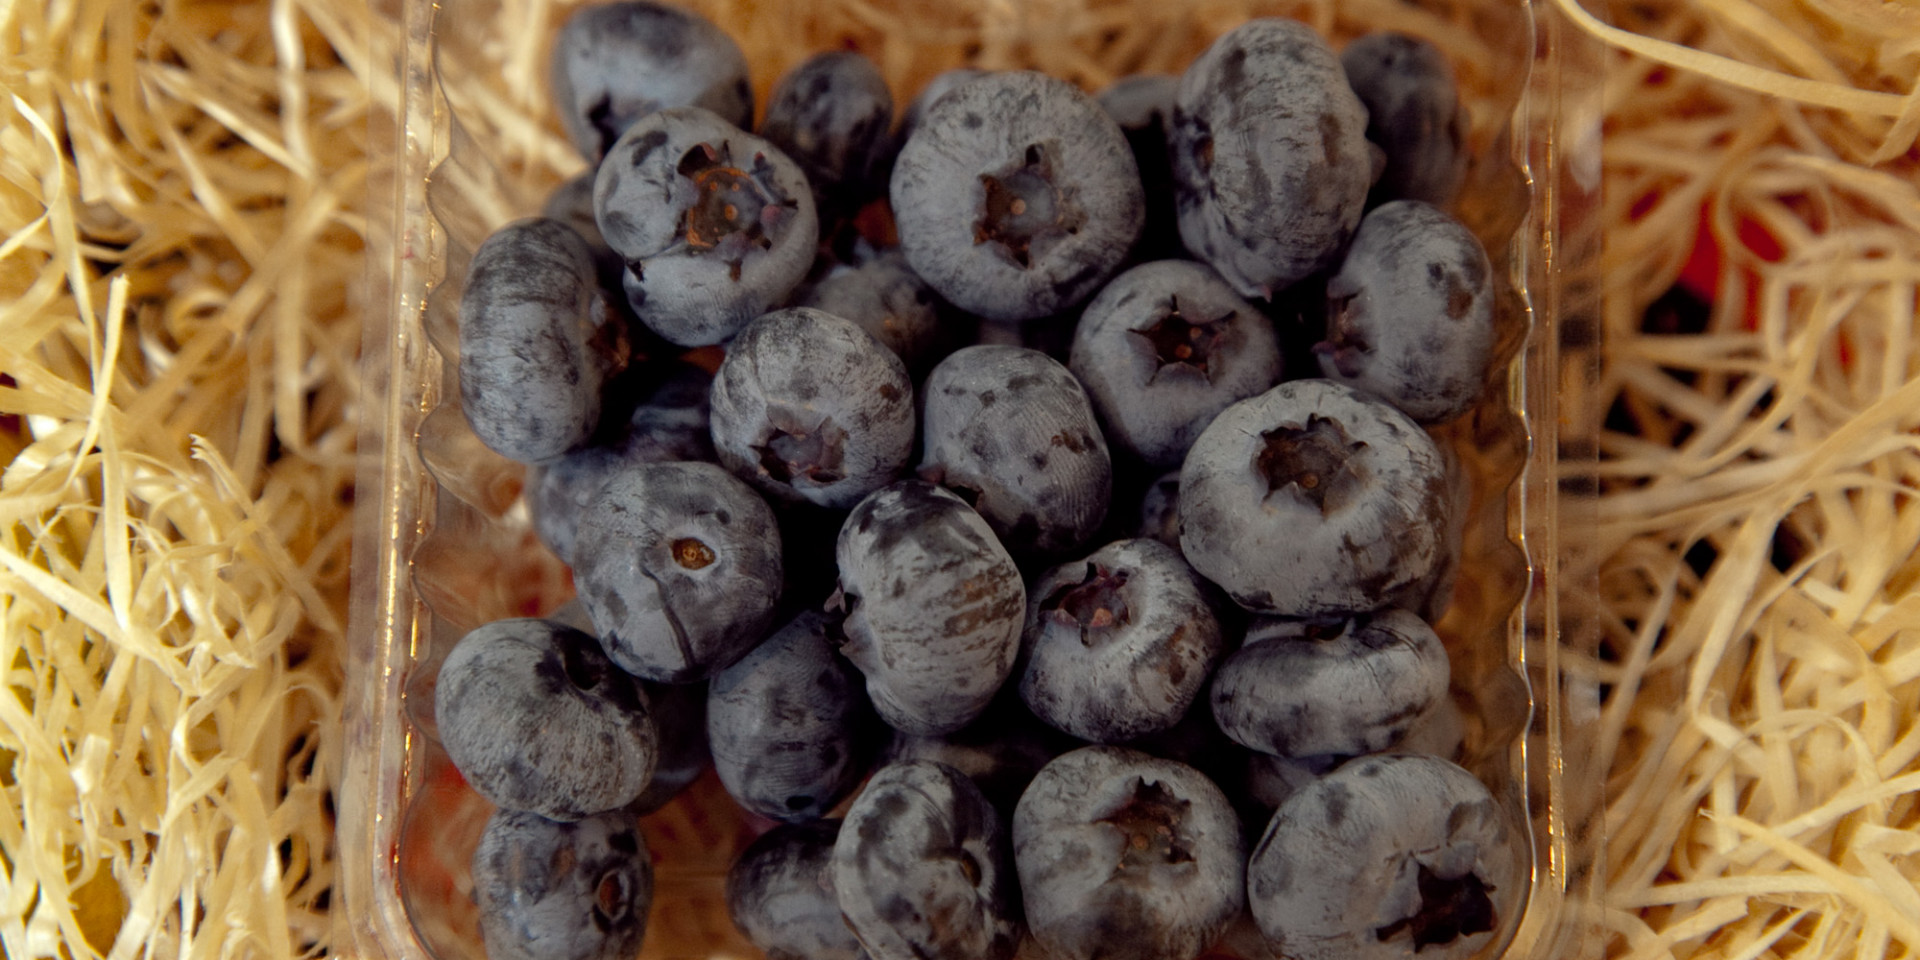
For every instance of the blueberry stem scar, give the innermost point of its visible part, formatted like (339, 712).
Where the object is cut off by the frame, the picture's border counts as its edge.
(1316, 461)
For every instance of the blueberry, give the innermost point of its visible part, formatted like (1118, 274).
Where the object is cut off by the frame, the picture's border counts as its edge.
(1413, 113)
(1313, 500)
(536, 341)
(1299, 689)
(780, 894)
(1410, 314)
(615, 63)
(933, 606)
(921, 868)
(1123, 856)
(1011, 430)
(1270, 157)
(1016, 196)
(562, 891)
(1142, 104)
(679, 566)
(536, 718)
(808, 407)
(1160, 511)
(1389, 856)
(884, 297)
(1000, 750)
(670, 425)
(1440, 731)
(787, 724)
(1118, 644)
(1163, 349)
(716, 226)
(942, 84)
(679, 712)
(833, 115)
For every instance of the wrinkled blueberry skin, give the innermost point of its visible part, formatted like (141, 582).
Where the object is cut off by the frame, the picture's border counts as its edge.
(1123, 856)
(615, 63)
(536, 341)
(670, 425)
(922, 868)
(1410, 314)
(1270, 158)
(1119, 644)
(679, 566)
(780, 894)
(808, 407)
(1347, 688)
(1163, 349)
(1413, 113)
(1000, 750)
(1142, 105)
(1016, 196)
(679, 712)
(1313, 500)
(933, 607)
(884, 297)
(1013, 431)
(788, 724)
(716, 226)
(562, 891)
(833, 115)
(1389, 856)
(536, 718)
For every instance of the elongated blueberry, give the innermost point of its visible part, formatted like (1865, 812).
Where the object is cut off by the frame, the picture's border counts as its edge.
(1413, 113)
(780, 894)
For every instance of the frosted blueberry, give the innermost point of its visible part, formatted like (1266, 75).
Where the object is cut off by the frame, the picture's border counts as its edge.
(884, 297)
(922, 870)
(1410, 314)
(614, 63)
(1013, 433)
(788, 724)
(536, 718)
(1313, 500)
(808, 407)
(716, 226)
(1390, 856)
(1119, 644)
(1163, 349)
(933, 606)
(1123, 856)
(679, 566)
(1299, 689)
(1016, 196)
(780, 894)
(536, 341)
(670, 425)
(562, 891)
(1413, 113)
(1270, 158)
(832, 114)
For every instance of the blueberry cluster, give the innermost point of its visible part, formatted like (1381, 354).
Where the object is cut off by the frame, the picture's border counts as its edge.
(1013, 543)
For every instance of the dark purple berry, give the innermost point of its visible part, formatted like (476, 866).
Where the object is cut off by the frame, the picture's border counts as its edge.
(562, 891)
(833, 115)
(614, 63)
(1413, 113)
(780, 894)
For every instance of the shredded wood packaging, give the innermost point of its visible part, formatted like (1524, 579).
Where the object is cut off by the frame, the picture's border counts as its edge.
(184, 204)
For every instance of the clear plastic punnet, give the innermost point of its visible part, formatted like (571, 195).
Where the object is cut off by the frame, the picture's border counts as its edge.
(443, 541)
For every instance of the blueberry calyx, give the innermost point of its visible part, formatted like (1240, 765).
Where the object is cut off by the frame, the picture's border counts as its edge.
(1449, 909)
(691, 554)
(1022, 205)
(734, 207)
(610, 898)
(816, 455)
(1177, 341)
(1146, 822)
(1316, 461)
(1094, 604)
